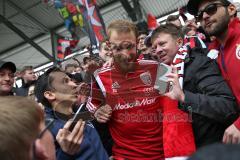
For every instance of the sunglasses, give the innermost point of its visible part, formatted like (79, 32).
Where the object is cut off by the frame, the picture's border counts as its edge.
(211, 9)
(125, 45)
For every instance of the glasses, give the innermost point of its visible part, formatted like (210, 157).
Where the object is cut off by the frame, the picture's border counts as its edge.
(125, 45)
(210, 10)
(49, 124)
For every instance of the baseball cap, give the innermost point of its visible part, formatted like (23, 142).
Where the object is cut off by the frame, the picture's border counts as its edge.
(9, 65)
(192, 6)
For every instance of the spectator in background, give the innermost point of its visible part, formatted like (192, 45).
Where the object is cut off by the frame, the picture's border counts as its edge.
(86, 60)
(140, 42)
(28, 78)
(192, 27)
(174, 19)
(90, 65)
(7, 70)
(23, 133)
(142, 49)
(70, 68)
(79, 69)
(218, 18)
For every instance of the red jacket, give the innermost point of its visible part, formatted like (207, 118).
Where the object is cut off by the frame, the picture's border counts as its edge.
(229, 59)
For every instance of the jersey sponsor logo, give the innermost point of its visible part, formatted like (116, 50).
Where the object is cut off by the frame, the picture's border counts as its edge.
(238, 51)
(137, 103)
(146, 78)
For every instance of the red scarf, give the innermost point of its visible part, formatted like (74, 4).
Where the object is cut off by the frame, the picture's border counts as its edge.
(178, 138)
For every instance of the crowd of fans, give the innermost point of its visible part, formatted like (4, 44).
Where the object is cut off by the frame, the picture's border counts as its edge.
(107, 107)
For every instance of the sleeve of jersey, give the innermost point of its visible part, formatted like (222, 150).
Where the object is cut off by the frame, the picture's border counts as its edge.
(237, 123)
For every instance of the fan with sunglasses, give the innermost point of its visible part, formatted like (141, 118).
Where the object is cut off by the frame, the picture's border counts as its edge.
(210, 10)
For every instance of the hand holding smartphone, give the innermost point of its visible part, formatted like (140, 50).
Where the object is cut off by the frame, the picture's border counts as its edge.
(85, 116)
(161, 83)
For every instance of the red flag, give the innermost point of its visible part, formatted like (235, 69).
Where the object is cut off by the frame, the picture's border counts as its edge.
(152, 22)
(96, 20)
(95, 27)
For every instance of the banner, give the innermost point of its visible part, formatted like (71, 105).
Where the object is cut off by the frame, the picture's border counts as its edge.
(64, 47)
(81, 16)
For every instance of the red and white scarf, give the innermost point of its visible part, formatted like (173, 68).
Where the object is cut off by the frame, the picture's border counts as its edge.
(178, 62)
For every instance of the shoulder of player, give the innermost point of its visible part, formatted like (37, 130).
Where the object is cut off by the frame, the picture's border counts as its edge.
(103, 70)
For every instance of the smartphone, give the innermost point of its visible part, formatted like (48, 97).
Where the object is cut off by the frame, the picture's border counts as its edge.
(85, 116)
(161, 83)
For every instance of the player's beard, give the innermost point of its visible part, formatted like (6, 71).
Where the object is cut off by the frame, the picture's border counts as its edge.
(125, 63)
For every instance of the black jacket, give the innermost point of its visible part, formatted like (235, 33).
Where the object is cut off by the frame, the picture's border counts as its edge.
(23, 90)
(207, 97)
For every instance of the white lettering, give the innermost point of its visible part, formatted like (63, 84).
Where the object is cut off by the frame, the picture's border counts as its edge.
(137, 103)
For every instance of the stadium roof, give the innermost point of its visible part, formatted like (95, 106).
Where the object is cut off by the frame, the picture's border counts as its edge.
(28, 26)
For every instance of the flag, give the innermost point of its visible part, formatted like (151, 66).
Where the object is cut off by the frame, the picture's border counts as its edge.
(64, 47)
(96, 27)
(152, 22)
(82, 15)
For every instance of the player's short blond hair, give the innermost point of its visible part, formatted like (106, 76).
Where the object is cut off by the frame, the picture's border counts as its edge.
(122, 26)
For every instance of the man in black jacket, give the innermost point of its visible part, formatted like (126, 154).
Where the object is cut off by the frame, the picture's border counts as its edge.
(205, 94)
(218, 19)
(28, 79)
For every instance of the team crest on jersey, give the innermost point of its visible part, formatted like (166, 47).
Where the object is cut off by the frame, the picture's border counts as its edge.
(238, 51)
(146, 78)
(115, 85)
